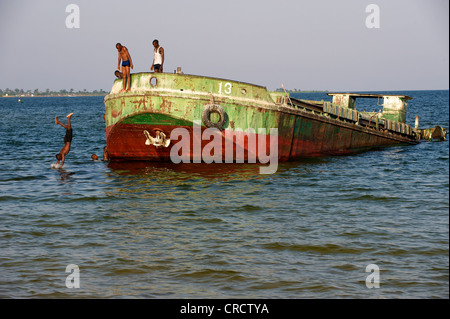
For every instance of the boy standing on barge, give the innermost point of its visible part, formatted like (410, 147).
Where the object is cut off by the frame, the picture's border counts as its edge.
(158, 60)
(124, 55)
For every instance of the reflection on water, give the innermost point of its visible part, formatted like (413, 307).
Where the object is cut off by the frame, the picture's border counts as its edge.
(182, 186)
(186, 170)
(65, 175)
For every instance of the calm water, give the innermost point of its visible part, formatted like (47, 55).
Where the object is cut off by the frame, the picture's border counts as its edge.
(218, 231)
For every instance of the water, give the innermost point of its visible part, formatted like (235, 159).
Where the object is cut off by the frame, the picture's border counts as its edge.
(147, 230)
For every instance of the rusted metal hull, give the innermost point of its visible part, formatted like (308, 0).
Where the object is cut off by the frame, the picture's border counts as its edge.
(126, 142)
(171, 101)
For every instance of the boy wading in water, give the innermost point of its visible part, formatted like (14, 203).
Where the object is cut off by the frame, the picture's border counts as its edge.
(124, 55)
(67, 140)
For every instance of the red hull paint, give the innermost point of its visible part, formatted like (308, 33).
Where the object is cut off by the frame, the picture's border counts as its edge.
(127, 142)
(322, 139)
(306, 139)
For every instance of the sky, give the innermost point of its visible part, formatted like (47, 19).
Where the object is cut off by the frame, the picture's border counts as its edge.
(333, 45)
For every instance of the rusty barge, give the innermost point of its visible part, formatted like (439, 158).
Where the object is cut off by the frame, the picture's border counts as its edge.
(166, 101)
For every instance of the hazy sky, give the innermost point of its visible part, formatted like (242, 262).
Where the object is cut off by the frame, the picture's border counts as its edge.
(321, 44)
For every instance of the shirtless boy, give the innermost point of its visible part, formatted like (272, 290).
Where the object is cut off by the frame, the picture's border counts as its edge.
(124, 55)
(61, 156)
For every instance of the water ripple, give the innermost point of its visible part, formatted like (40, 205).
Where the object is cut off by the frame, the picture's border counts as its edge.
(156, 230)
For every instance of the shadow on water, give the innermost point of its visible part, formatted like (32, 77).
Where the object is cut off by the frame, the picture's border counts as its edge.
(227, 171)
(65, 175)
(222, 171)
(186, 170)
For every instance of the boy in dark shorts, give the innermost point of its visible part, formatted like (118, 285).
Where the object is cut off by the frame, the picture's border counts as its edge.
(67, 140)
(124, 55)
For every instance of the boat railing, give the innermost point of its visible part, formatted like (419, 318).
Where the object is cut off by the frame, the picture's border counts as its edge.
(373, 120)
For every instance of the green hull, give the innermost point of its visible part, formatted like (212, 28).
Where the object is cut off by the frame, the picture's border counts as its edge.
(304, 128)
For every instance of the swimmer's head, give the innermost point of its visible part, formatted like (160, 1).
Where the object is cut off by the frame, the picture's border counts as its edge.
(94, 157)
(59, 156)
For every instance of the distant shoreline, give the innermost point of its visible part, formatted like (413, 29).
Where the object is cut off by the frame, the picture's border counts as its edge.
(53, 95)
(81, 94)
(325, 91)
(301, 91)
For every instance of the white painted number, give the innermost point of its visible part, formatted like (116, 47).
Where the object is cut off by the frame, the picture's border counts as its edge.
(227, 88)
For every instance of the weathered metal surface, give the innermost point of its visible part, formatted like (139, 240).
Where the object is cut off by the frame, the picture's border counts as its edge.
(436, 133)
(305, 128)
(394, 106)
(343, 99)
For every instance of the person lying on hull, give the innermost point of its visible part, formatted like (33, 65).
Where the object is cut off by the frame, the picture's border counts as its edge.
(118, 74)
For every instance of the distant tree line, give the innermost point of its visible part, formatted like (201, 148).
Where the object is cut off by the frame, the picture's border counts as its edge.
(64, 92)
(47, 92)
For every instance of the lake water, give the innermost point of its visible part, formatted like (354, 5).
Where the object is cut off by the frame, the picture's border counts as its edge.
(143, 230)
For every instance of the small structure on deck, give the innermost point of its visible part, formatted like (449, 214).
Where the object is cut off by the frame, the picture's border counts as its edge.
(394, 106)
(394, 110)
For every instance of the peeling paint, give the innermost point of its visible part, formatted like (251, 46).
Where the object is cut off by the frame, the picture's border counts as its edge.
(306, 128)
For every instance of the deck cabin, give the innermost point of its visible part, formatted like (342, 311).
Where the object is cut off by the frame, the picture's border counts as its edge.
(394, 106)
